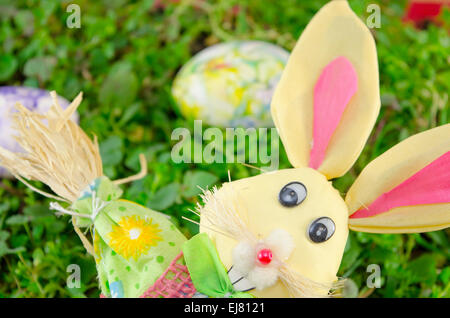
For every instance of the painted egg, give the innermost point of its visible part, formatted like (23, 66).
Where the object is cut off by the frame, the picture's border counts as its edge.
(230, 84)
(32, 98)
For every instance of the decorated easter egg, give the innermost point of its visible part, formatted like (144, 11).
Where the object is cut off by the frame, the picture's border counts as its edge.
(230, 84)
(33, 99)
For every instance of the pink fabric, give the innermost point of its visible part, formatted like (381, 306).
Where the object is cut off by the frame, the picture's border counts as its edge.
(175, 282)
(335, 87)
(431, 185)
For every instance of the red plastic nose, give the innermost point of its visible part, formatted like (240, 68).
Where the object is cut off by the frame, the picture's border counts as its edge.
(265, 256)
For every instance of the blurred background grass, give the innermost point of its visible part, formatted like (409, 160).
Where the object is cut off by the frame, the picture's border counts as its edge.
(124, 58)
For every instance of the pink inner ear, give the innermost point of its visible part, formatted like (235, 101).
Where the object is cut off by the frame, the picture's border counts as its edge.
(335, 87)
(431, 185)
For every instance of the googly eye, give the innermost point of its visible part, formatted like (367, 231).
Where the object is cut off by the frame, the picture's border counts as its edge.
(292, 194)
(321, 230)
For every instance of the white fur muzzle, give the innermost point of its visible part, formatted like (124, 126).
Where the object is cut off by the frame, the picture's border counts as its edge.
(245, 258)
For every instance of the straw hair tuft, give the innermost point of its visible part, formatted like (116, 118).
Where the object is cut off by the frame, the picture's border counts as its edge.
(56, 151)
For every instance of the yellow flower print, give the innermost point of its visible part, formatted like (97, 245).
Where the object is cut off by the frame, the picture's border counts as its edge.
(134, 236)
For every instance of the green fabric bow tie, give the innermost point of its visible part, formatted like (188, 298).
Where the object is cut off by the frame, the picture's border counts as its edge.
(207, 272)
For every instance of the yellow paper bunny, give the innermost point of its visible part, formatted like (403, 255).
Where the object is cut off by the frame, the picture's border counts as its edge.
(283, 233)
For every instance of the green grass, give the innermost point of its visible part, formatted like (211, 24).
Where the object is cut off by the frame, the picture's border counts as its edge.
(124, 59)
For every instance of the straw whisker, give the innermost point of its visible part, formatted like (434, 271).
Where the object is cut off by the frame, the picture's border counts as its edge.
(222, 213)
(302, 286)
(208, 227)
(195, 212)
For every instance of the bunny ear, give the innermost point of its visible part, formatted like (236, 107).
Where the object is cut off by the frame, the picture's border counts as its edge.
(327, 100)
(406, 189)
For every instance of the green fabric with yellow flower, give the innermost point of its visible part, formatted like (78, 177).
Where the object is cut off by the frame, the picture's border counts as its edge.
(133, 245)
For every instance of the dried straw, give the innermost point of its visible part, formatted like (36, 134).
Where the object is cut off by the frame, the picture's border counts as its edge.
(300, 286)
(219, 210)
(56, 151)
